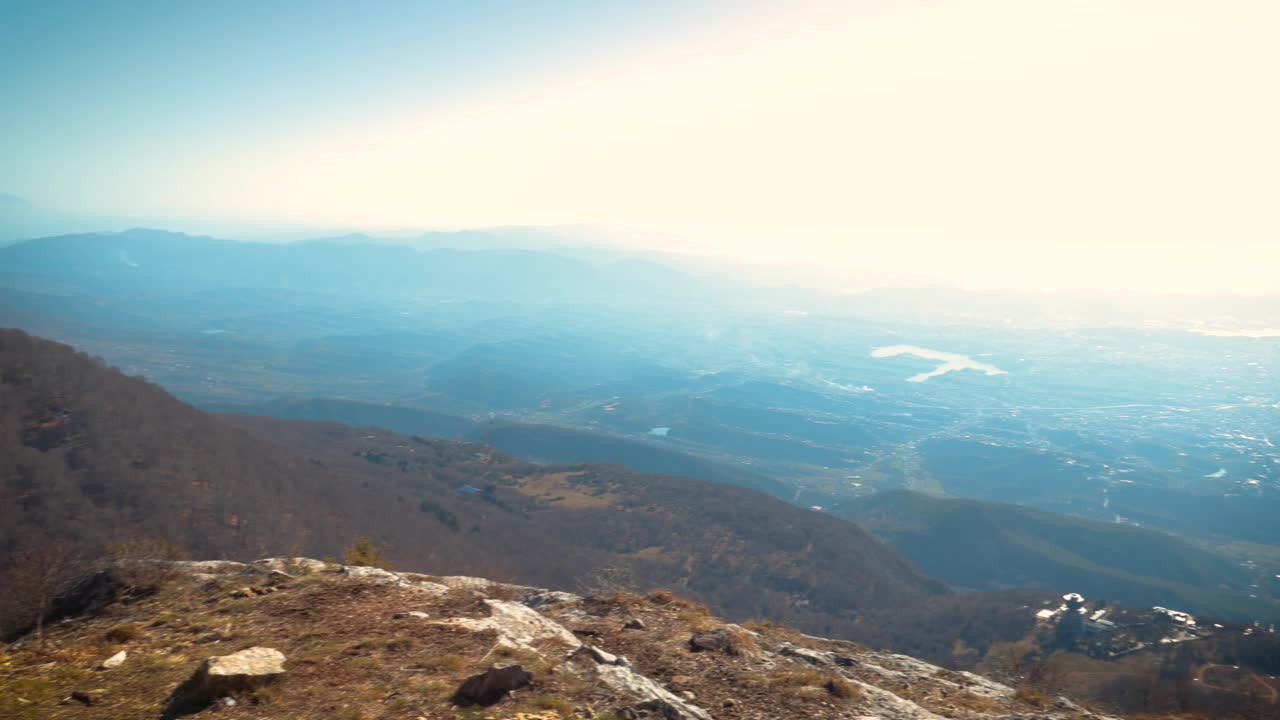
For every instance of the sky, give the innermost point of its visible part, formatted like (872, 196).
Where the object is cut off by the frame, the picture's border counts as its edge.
(1036, 144)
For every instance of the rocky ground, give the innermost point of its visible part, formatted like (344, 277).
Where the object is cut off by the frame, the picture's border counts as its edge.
(299, 638)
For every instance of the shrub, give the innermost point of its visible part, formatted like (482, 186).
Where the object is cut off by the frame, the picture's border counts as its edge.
(661, 596)
(123, 633)
(551, 702)
(1031, 696)
(449, 663)
(842, 688)
(364, 552)
(400, 644)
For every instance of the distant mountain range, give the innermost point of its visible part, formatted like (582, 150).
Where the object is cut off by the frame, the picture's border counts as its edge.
(143, 260)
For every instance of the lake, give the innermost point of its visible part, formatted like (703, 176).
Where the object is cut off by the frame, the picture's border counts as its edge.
(949, 361)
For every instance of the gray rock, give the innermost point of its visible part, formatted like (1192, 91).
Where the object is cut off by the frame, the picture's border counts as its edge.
(492, 685)
(653, 710)
(538, 601)
(814, 657)
(378, 575)
(292, 566)
(653, 697)
(224, 675)
(718, 639)
(206, 566)
(598, 657)
(517, 625)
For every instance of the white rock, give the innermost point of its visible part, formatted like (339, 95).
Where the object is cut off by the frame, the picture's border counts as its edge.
(115, 660)
(628, 682)
(517, 625)
(411, 615)
(378, 575)
(256, 661)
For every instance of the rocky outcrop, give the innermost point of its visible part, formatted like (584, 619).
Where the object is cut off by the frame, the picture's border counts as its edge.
(492, 685)
(517, 625)
(625, 681)
(642, 658)
(225, 675)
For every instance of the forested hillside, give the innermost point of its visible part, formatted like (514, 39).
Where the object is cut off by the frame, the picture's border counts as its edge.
(536, 442)
(91, 456)
(990, 546)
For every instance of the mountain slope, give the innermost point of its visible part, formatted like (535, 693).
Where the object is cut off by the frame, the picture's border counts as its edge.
(539, 443)
(361, 642)
(987, 546)
(92, 456)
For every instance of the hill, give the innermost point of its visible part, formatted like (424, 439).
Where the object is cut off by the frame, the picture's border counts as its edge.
(404, 420)
(546, 443)
(988, 546)
(539, 443)
(303, 638)
(89, 456)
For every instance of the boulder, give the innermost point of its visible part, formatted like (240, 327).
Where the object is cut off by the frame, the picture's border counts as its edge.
(87, 697)
(655, 700)
(717, 639)
(492, 685)
(224, 675)
(654, 710)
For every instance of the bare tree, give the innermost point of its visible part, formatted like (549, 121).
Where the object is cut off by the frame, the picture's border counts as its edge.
(37, 575)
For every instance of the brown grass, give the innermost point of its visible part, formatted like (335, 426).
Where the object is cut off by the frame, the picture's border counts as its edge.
(841, 687)
(123, 633)
(1031, 696)
(558, 488)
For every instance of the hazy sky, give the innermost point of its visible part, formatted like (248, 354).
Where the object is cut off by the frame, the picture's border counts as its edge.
(1026, 143)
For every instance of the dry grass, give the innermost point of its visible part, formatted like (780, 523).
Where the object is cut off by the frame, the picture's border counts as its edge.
(347, 657)
(804, 683)
(841, 687)
(123, 633)
(559, 489)
(1032, 697)
(975, 703)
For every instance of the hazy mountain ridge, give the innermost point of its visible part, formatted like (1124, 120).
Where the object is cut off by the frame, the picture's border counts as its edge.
(141, 260)
(990, 546)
